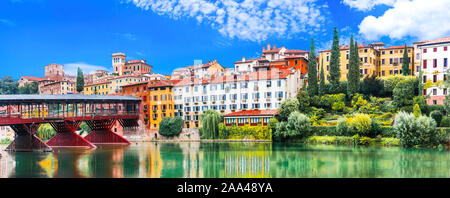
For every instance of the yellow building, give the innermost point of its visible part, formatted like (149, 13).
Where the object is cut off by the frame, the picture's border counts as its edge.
(374, 58)
(157, 100)
(392, 59)
(160, 102)
(368, 56)
(99, 88)
(119, 81)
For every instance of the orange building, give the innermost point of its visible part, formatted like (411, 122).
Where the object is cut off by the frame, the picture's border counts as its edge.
(156, 100)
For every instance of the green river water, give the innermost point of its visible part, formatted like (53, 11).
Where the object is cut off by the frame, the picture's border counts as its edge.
(228, 160)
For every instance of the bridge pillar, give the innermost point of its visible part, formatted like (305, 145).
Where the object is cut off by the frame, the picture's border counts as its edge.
(102, 134)
(25, 139)
(66, 136)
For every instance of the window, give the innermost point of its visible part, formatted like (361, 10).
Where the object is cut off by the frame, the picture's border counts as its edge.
(424, 92)
(434, 92)
(424, 51)
(434, 78)
(435, 49)
(445, 62)
(424, 79)
(424, 64)
(445, 91)
(382, 61)
(445, 48)
(434, 63)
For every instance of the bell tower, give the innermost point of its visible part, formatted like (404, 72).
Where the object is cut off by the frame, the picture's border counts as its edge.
(118, 62)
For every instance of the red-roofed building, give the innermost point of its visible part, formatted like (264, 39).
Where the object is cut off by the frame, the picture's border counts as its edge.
(434, 63)
(28, 79)
(272, 57)
(249, 117)
(199, 70)
(262, 90)
(123, 67)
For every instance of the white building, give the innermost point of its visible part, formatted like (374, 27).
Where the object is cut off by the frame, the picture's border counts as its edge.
(434, 64)
(269, 55)
(225, 94)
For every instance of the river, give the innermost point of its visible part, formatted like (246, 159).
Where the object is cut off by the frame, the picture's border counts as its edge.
(228, 160)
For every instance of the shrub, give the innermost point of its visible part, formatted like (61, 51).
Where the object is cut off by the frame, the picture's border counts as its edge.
(272, 124)
(360, 123)
(298, 125)
(323, 130)
(223, 131)
(437, 116)
(390, 141)
(419, 131)
(303, 101)
(416, 110)
(343, 129)
(170, 126)
(445, 122)
(287, 107)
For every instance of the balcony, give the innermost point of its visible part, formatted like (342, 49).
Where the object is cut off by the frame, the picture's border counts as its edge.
(256, 88)
(222, 101)
(268, 99)
(244, 101)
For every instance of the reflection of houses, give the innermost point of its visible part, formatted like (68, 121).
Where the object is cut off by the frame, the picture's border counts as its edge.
(251, 117)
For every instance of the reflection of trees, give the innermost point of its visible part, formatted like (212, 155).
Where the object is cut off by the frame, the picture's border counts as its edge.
(27, 164)
(172, 158)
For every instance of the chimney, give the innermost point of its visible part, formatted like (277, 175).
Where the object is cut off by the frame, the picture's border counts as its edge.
(243, 58)
(274, 47)
(264, 49)
(268, 46)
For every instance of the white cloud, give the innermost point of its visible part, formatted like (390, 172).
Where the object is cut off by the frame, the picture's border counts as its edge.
(253, 20)
(366, 5)
(72, 68)
(423, 19)
(7, 22)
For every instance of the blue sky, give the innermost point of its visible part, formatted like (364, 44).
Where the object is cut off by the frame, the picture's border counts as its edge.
(170, 33)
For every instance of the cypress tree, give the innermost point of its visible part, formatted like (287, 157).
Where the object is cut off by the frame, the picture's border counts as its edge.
(353, 70)
(80, 81)
(312, 71)
(405, 64)
(322, 88)
(335, 72)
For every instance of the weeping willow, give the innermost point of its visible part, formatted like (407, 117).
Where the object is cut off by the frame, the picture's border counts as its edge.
(45, 132)
(210, 124)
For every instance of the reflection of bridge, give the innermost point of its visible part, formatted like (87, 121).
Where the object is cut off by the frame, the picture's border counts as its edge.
(25, 113)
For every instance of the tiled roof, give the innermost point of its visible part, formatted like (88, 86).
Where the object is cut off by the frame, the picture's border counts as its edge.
(253, 112)
(247, 60)
(134, 84)
(260, 75)
(439, 40)
(276, 50)
(97, 83)
(295, 51)
(191, 81)
(396, 47)
(30, 78)
(160, 83)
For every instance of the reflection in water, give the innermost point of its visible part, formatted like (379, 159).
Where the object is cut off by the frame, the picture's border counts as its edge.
(242, 160)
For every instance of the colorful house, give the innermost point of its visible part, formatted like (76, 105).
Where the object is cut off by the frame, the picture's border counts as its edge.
(251, 117)
(99, 88)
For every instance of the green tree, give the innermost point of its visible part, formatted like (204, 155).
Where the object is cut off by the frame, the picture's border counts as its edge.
(303, 101)
(170, 127)
(287, 107)
(335, 70)
(403, 93)
(210, 124)
(322, 86)
(353, 70)
(80, 81)
(405, 64)
(416, 111)
(29, 88)
(8, 86)
(312, 71)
